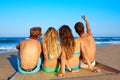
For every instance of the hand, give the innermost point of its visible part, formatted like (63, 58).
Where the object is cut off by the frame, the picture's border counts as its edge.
(84, 18)
(95, 70)
(60, 75)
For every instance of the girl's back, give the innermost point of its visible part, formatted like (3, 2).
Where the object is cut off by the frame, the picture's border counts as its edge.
(51, 50)
(76, 55)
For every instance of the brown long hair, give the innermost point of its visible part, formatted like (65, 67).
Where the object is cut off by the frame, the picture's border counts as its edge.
(67, 40)
(51, 43)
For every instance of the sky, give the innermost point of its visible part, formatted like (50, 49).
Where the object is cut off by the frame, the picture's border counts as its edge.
(18, 16)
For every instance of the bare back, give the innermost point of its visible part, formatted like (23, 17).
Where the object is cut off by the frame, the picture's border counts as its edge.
(30, 51)
(75, 57)
(88, 47)
(49, 63)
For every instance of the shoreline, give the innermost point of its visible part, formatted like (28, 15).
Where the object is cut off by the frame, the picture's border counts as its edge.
(8, 44)
(15, 51)
(108, 55)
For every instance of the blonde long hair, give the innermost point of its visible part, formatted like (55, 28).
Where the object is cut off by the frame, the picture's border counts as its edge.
(51, 43)
(67, 40)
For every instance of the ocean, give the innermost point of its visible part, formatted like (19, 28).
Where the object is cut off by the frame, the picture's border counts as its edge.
(8, 44)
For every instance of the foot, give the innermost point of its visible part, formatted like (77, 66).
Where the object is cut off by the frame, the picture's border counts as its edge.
(75, 70)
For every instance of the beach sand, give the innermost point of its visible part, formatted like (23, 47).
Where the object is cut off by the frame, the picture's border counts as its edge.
(108, 55)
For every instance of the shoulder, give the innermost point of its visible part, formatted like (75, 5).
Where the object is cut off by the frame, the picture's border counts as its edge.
(23, 41)
(89, 34)
(86, 36)
(77, 39)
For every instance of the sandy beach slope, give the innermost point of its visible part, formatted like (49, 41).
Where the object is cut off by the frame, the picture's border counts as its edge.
(108, 55)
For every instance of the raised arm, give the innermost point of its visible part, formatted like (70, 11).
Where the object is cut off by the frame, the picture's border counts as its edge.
(87, 25)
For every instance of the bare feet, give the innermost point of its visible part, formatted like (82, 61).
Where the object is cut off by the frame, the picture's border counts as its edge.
(61, 75)
(75, 70)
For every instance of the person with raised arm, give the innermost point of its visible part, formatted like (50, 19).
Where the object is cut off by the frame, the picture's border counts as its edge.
(88, 46)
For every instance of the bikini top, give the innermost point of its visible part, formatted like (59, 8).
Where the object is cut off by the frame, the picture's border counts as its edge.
(76, 52)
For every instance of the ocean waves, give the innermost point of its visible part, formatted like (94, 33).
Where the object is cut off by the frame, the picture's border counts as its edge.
(8, 44)
(103, 41)
(4, 49)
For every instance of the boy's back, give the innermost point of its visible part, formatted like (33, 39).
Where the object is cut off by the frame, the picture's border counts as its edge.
(29, 52)
(28, 59)
(88, 47)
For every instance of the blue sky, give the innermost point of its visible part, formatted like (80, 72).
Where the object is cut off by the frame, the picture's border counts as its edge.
(18, 16)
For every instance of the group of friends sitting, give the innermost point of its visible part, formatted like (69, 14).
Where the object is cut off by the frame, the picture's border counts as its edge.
(59, 50)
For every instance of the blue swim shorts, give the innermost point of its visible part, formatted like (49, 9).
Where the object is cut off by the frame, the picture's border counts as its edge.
(36, 69)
